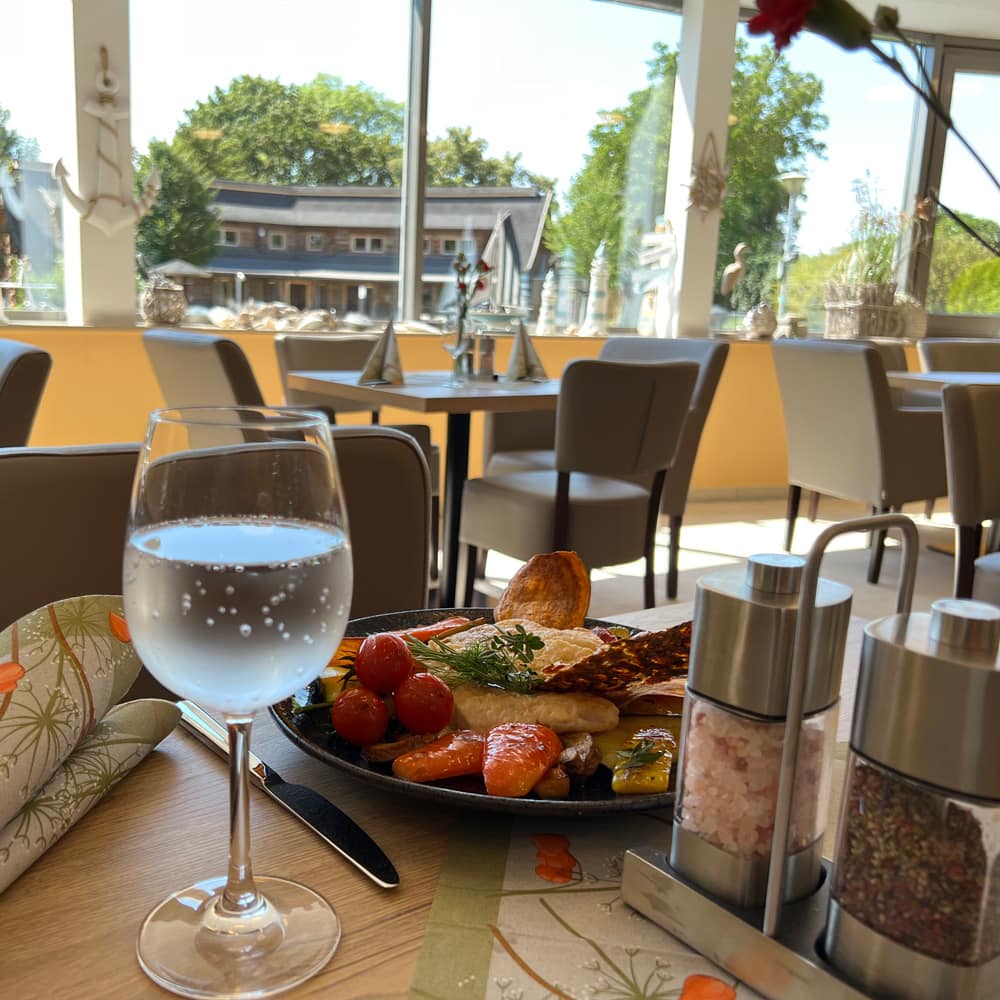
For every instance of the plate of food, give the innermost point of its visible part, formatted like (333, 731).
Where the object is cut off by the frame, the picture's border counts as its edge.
(530, 707)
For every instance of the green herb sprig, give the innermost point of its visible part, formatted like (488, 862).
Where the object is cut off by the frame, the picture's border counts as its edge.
(642, 753)
(500, 662)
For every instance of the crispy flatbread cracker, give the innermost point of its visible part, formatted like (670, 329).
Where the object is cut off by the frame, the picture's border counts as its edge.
(552, 589)
(620, 670)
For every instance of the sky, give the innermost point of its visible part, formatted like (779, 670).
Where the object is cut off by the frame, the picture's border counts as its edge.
(530, 76)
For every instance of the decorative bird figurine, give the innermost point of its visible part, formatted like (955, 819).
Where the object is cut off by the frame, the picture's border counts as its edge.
(734, 272)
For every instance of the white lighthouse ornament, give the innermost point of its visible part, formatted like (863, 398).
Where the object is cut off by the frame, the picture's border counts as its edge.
(546, 325)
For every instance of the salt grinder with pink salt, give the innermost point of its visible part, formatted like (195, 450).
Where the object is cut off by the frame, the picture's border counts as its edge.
(734, 726)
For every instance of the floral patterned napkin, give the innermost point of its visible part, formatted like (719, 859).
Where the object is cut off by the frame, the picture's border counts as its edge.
(62, 667)
(531, 909)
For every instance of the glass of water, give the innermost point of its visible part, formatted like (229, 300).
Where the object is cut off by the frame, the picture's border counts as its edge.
(237, 586)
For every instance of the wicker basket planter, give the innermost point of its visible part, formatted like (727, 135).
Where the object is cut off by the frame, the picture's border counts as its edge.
(862, 311)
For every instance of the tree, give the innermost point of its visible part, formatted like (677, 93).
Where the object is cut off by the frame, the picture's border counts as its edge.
(953, 253)
(977, 288)
(621, 188)
(457, 159)
(183, 221)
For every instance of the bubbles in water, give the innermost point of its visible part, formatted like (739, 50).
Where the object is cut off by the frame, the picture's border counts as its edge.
(202, 591)
(209, 622)
(238, 569)
(286, 635)
(264, 610)
(230, 590)
(222, 609)
(281, 626)
(268, 622)
(197, 583)
(307, 639)
(155, 614)
(232, 611)
(291, 588)
(245, 631)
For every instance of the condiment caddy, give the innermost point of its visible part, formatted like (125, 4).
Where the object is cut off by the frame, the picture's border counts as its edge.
(805, 942)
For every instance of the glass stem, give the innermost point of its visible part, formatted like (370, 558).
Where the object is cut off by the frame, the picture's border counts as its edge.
(240, 894)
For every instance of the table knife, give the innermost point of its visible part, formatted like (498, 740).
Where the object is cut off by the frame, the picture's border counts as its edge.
(317, 812)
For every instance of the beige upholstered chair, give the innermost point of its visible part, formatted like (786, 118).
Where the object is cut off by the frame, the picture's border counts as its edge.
(617, 429)
(848, 438)
(952, 354)
(302, 352)
(516, 442)
(972, 449)
(24, 370)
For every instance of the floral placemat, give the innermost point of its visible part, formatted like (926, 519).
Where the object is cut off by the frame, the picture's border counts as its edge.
(528, 909)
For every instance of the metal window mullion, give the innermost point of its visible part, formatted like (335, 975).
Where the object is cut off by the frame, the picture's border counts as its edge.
(411, 236)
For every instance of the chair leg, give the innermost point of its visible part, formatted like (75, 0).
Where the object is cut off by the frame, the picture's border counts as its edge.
(929, 508)
(993, 537)
(435, 536)
(648, 590)
(468, 571)
(968, 538)
(877, 550)
(794, 497)
(813, 505)
(675, 547)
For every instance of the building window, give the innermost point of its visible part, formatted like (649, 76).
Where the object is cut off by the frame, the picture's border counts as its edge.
(360, 244)
(229, 237)
(314, 242)
(367, 244)
(375, 244)
(277, 241)
(427, 246)
(449, 246)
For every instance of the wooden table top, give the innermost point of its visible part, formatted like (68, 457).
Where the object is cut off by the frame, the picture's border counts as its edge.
(433, 392)
(70, 921)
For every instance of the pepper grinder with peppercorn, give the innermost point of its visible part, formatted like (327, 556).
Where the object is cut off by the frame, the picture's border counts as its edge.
(914, 905)
(733, 731)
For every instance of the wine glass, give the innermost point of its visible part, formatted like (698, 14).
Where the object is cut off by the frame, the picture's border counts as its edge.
(237, 586)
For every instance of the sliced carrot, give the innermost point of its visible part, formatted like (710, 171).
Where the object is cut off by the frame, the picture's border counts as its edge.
(119, 627)
(449, 756)
(706, 988)
(425, 632)
(517, 755)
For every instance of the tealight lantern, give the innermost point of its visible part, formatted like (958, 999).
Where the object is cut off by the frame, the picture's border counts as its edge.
(914, 905)
(734, 727)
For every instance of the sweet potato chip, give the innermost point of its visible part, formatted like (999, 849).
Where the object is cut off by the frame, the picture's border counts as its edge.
(552, 589)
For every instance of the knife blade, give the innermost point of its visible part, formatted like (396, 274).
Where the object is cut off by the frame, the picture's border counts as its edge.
(318, 813)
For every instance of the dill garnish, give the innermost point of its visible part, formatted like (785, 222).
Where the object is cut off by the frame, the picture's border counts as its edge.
(499, 662)
(642, 753)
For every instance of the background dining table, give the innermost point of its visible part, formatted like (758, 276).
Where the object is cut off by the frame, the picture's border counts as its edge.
(70, 921)
(436, 392)
(938, 380)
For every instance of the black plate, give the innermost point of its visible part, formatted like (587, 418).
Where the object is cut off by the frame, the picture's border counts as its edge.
(593, 798)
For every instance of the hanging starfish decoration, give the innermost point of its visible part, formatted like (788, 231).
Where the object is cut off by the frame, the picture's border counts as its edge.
(708, 180)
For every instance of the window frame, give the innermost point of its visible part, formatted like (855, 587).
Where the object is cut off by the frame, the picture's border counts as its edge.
(222, 240)
(309, 240)
(277, 241)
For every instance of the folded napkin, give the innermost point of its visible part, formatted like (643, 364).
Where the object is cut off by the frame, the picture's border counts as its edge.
(524, 360)
(62, 667)
(383, 364)
(120, 741)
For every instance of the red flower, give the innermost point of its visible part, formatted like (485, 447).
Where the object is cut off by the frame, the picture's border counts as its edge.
(482, 266)
(462, 286)
(784, 18)
(480, 285)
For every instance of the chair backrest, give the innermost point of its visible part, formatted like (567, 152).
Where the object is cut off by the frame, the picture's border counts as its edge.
(24, 370)
(952, 354)
(972, 447)
(620, 419)
(201, 369)
(63, 513)
(330, 353)
(891, 351)
(710, 356)
(837, 406)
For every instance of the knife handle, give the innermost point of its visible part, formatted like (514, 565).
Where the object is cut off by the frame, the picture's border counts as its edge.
(214, 735)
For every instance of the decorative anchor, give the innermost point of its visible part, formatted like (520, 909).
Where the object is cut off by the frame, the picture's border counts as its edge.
(113, 205)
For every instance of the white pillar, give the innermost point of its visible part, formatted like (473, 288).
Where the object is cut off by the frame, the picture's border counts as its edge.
(701, 108)
(100, 269)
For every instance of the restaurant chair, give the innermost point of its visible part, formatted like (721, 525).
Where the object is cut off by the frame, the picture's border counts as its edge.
(618, 425)
(515, 442)
(954, 354)
(972, 443)
(848, 438)
(301, 352)
(24, 370)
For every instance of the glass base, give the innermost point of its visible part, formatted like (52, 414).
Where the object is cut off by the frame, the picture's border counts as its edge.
(188, 946)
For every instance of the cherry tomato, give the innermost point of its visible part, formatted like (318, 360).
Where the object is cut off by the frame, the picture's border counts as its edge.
(360, 716)
(382, 662)
(423, 703)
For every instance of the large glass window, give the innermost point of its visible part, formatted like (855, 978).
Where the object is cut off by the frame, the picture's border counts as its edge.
(839, 123)
(283, 129)
(964, 276)
(36, 129)
(548, 128)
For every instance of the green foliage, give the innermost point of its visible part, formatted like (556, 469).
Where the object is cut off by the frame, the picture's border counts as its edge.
(620, 190)
(807, 281)
(976, 289)
(183, 221)
(954, 253)
(458, 159)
